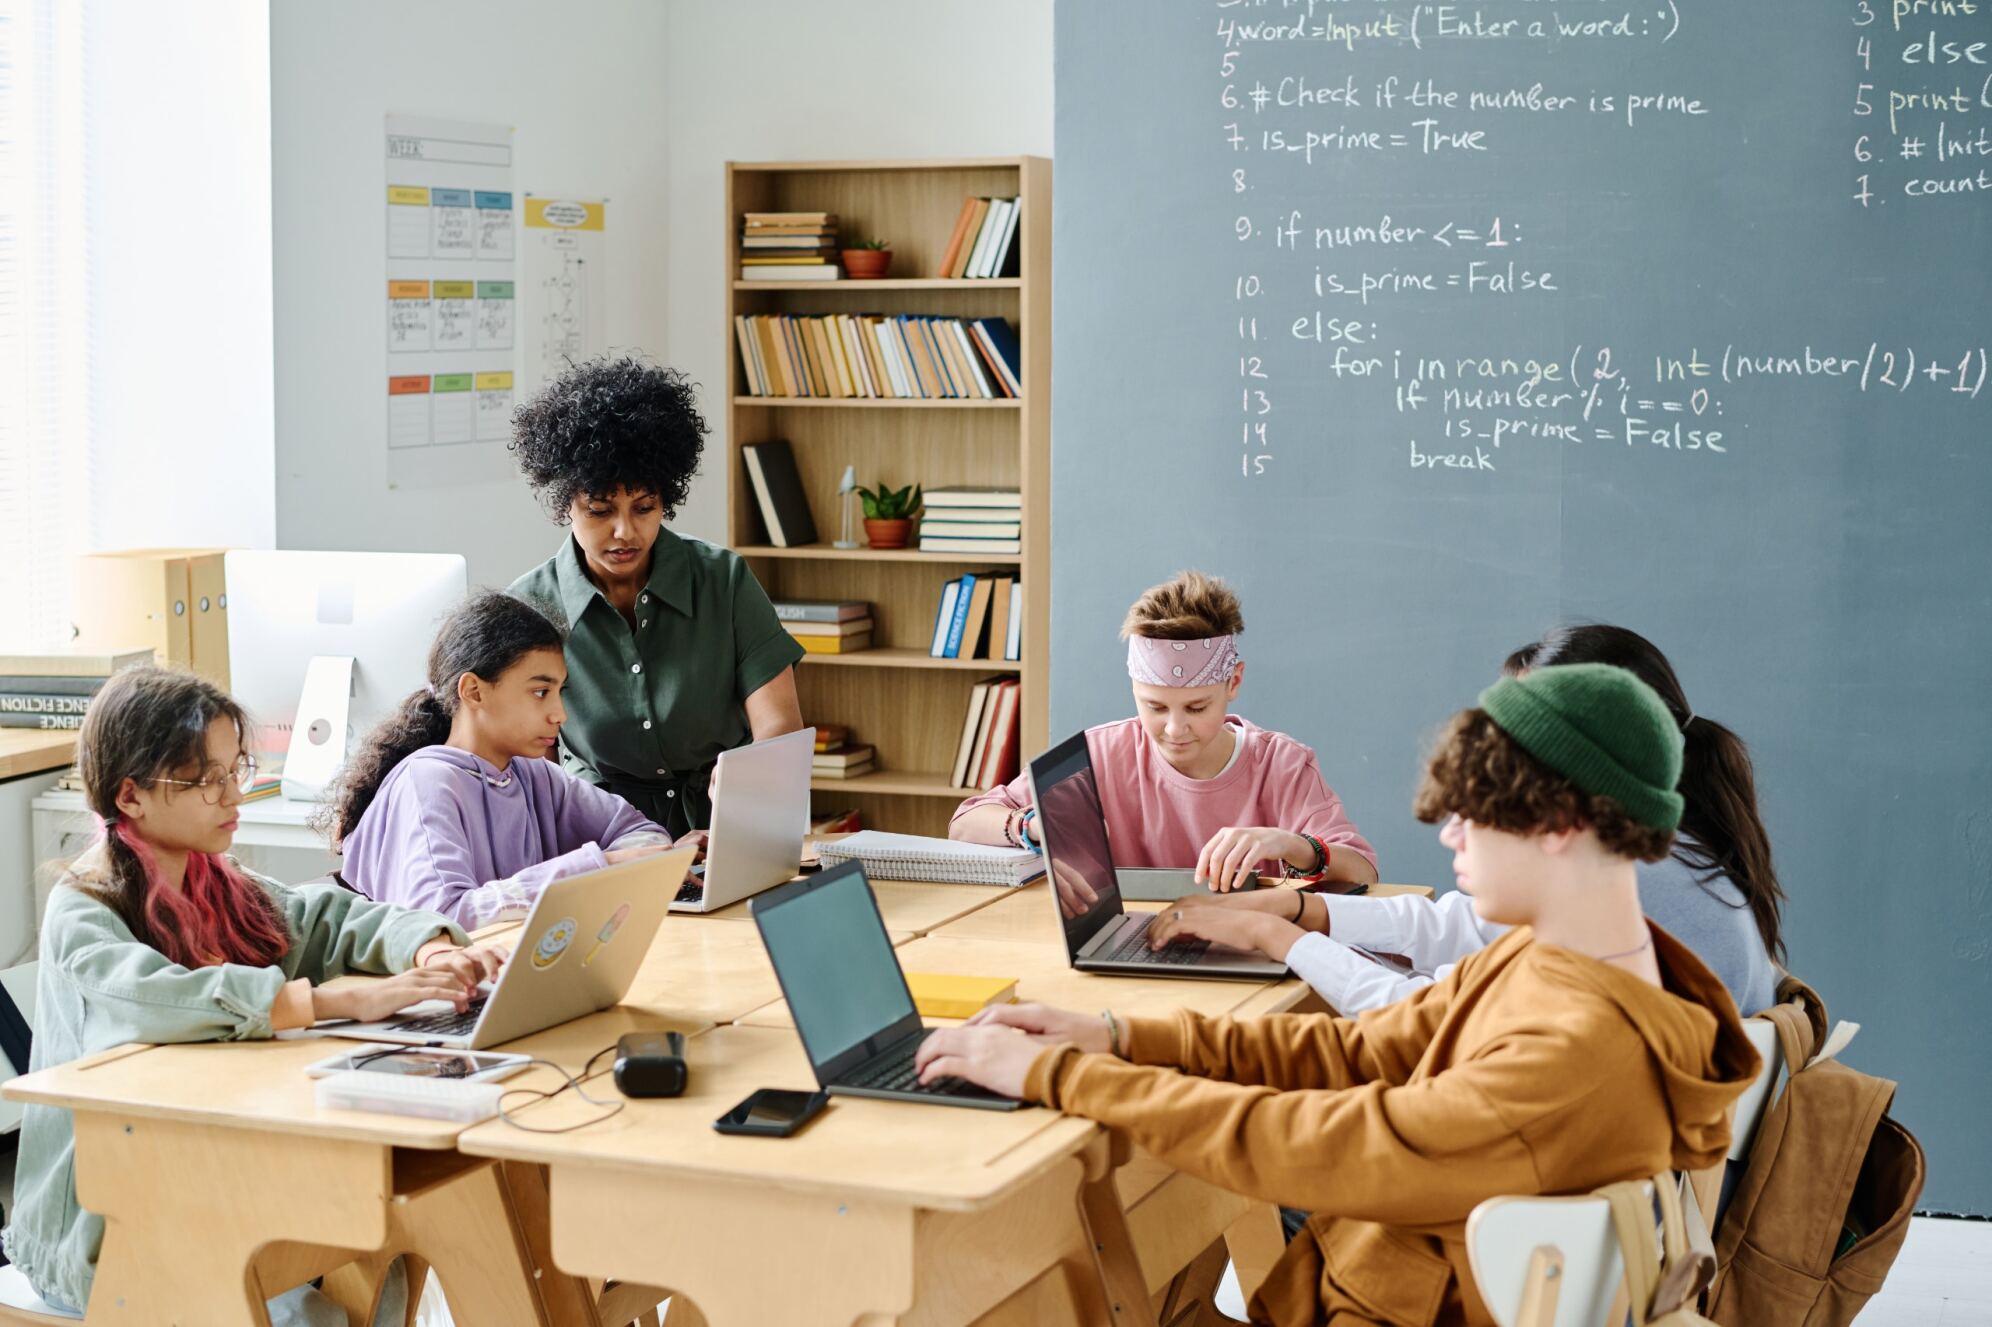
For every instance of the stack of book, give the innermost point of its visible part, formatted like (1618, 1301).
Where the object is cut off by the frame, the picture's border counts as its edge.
(847, 821)
(990, 733)
(789, 246)
(972, 520)
(53, 691)
(837, 757)
(822, 627)
(984, 242)
(981, 617)
(885, 358)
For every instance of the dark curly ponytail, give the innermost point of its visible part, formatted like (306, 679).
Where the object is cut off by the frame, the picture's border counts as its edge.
(488, 634)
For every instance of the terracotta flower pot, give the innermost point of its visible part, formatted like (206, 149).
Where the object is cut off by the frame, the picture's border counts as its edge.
(866, 264)
(888, 534)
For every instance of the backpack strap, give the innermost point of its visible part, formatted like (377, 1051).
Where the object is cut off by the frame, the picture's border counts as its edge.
(1796, 1033)
(1632, 1219)
(1689, 1266)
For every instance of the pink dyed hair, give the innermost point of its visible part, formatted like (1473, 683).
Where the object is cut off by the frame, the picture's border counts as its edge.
(218, 915)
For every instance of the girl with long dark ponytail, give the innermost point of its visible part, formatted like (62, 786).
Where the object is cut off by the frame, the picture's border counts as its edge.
(1722, 835)
(451, 802)
(154, 934)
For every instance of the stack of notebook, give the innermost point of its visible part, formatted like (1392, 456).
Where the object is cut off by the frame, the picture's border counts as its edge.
(942, 861)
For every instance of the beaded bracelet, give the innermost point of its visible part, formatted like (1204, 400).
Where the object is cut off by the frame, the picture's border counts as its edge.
(1293, 872)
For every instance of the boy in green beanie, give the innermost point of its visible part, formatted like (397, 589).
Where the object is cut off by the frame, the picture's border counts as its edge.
(1584, 1047)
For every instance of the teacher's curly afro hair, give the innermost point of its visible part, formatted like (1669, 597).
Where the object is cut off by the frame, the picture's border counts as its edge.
(608, 423)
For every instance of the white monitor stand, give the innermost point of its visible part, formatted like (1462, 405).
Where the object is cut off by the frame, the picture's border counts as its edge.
(318, 734)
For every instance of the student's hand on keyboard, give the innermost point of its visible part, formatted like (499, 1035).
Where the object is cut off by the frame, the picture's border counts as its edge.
(1236, 928)
(364, 1002)
(475, 964)
(1047, 1025)
(991, 1056)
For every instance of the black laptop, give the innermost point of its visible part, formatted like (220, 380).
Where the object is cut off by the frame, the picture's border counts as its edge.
(1105, 937)
(844, 988)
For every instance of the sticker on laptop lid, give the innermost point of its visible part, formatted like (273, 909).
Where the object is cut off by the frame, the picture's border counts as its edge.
(554, 942)
(608, 932)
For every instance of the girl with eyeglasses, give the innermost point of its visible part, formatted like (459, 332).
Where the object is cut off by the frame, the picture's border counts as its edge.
(156, 935)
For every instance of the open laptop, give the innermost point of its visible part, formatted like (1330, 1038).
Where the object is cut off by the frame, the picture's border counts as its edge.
(578, 952)
(842, 981)
(760, 815)
(1106, 937)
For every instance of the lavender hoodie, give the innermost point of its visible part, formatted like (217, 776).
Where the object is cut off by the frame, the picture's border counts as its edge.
(448, 832)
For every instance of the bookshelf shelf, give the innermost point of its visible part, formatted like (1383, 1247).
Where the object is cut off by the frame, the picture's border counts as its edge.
(888, 283)
(821, 552)
(874, 403)
(896, 783)
(883, 657)
(910, 707)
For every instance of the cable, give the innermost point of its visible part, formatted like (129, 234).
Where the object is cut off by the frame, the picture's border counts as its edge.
(588, 1071)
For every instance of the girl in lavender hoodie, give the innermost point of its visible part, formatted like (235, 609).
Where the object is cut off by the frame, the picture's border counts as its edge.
(450, 804)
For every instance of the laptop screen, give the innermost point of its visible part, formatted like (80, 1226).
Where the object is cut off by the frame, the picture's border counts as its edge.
(1073, 829)
(836, 964)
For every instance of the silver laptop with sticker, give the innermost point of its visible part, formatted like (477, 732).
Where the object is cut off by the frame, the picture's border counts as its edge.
(578, 952)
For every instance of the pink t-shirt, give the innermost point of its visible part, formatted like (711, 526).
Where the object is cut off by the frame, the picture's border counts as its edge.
(1157, 816)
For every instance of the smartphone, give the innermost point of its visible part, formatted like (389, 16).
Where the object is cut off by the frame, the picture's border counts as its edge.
(772, 1112)
(421, 1062)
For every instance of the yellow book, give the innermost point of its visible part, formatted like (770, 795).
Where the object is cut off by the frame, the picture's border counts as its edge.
(944, 995)
(834, 644)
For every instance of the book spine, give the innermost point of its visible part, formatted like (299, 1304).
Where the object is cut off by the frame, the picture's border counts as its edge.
(814, 612)
(13, 702)
(960, 623)
(53, 686)
(48, 722)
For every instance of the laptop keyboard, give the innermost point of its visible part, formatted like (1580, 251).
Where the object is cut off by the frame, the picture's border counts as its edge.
(690, 892)
(449, 1023)
(1133, 948)
(894, 1072)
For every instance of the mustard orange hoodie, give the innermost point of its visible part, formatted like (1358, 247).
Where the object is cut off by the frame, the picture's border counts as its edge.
(1530, 1069)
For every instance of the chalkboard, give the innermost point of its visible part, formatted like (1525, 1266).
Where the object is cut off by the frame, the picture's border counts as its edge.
(1433, 325)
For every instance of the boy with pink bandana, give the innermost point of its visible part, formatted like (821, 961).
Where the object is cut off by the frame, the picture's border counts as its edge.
(1186, 783)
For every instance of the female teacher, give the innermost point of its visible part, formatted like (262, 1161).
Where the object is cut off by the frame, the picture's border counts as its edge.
(674, 653)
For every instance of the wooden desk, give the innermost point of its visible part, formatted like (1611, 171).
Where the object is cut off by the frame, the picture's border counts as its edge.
(1044, 975)
(1029, 915)
(32, 750)
(917, 1214)
(221, 1182)
(908, 906)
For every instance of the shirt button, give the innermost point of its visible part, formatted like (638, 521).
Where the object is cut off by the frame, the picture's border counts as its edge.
(646, 598)
(636, 668)
(669, 792)
(646, 723)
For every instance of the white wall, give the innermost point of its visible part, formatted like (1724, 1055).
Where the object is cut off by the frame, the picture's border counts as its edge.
(181, 398)
(783, 80)
(583, 85)
(639, 100)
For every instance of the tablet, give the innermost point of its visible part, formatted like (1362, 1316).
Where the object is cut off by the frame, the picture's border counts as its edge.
(421, 1062)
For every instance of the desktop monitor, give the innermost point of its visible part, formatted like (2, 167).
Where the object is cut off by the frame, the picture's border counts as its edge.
(287, 608)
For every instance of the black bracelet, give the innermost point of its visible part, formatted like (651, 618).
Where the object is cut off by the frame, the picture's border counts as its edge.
(1300, 908)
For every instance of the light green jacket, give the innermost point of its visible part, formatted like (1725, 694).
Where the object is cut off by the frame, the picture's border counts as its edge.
(100, 987)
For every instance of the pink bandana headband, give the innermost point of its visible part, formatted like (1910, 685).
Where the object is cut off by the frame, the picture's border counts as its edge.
(1182, 663)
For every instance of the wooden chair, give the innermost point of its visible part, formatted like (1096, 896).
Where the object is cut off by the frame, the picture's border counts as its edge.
(1546, 1262)
(1705, 1185)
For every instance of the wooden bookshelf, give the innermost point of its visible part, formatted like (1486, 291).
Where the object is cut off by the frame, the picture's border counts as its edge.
(895, 697)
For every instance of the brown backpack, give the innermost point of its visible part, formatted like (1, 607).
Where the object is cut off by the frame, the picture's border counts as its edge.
(1824, 1201)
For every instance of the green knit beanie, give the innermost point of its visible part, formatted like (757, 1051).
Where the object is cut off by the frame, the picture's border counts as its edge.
(1601, 728)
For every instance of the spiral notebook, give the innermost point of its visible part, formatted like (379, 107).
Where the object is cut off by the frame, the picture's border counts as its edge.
(943, 861)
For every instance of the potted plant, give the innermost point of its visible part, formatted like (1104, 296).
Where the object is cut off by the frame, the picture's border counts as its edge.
(867, 260)
(889, 514)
